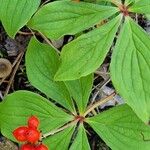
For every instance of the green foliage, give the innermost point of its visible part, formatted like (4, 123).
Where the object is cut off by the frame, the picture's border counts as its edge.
(15, 14)
(81, 141)
(42, 63)
(85, 54)
(60, 140)
(67, 80)
(41, 67)
(17, 107)
(80, 90)
(130, 60)
(141, 6)
(121, 129)
(68, 17)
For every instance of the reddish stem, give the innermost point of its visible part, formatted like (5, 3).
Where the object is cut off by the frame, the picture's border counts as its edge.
(79, 118)
(124, 10)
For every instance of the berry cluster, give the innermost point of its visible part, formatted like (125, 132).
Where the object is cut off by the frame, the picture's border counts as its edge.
(30, 134)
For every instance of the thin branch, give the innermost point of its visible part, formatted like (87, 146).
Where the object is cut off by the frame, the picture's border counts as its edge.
(104, 84)
(100, 102)
(26, 33)
(14, 63)
(60, 129)
(17, 59)
(14, 72)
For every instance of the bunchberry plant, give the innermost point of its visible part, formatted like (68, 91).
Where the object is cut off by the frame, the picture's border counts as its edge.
(67, 78)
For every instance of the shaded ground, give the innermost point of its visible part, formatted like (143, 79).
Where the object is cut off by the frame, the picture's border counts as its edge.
(6, 144)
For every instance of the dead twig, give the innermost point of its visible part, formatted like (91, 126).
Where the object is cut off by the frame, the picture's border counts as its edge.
(16, 66)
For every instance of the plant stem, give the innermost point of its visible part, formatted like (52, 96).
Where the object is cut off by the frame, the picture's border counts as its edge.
(101, 102)
(59, 129)
(91, 108)
(13, 65)
(16, 66)
(26, 33)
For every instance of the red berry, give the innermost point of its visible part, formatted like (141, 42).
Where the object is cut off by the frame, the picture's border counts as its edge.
(33, 122)
(27, 147)
(33, 135)
(20, 133)
(41, 147)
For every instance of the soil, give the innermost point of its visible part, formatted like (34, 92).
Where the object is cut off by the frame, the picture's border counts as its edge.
(11, 48)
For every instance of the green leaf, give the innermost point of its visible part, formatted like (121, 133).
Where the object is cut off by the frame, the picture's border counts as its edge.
(81, 141)
(130, 68)
(80, 90)
(17, 107)
(141, 6)
(121, 129)
(16, 13)
(59, 18)
(42, 63)
(129, 2)
(61, 140)
(85, 54)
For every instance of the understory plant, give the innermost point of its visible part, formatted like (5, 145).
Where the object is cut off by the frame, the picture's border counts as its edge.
(66, 77)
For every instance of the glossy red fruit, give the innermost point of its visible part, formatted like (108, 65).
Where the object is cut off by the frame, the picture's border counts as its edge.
(33, 135)
(20, 133)
(27, 147)
(33, 122)
(41, 147)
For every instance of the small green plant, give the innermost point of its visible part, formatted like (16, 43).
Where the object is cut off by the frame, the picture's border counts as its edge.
(67, 79)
